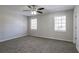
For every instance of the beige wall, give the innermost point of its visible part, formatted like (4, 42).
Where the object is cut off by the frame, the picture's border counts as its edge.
(45, 26)
(77, 30)
(12, 25)
(75, 25)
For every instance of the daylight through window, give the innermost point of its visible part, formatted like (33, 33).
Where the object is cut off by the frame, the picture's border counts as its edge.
(60, 23)
(34, 23)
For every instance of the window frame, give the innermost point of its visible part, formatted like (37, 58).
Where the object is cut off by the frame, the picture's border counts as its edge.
(33, 25)
(60, 23)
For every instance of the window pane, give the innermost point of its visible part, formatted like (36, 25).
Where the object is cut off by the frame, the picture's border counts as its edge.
(60, 23)
(33, 23)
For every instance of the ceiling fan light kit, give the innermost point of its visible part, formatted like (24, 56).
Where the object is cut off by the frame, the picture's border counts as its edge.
(33, 12)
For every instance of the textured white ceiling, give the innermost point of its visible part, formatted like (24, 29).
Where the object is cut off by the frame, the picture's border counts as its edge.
(54, 8)
(48, 8)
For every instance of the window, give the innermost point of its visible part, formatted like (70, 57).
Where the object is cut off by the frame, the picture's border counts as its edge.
(34, 23)
(60, 23)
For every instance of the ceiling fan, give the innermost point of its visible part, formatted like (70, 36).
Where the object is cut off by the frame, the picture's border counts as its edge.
(35, 9)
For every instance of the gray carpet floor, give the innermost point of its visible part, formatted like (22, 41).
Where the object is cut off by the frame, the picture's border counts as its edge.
(31, 44)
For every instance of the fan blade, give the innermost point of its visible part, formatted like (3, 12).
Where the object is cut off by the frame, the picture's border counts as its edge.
(40, 8)
(29, 6)
(39, 12)
(26, 10)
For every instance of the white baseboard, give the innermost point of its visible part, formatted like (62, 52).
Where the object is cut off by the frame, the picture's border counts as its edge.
(13, 37)
(53, 38)
(17, 36)
(77, 48)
